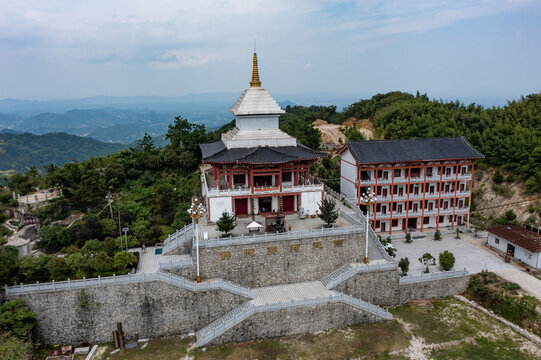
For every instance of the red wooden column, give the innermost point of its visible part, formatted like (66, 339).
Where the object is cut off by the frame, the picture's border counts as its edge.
(375, 194)
(454, 198)
(230, 177)
(392, 202)
(408, 198)
(439, 197)
(251, 178)
(423, 201)
(280, 179)
(469, 198)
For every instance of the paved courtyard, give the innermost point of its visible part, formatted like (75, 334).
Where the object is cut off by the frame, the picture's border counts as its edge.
(470, 253)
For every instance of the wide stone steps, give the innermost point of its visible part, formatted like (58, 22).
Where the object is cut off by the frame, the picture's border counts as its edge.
(337, 275)
(280, 297)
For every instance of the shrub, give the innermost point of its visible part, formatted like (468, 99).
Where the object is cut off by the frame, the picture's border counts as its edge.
(437, 235)
(498, 177)
(457, 230)
(447, 260)
(17, 319)
(408, 238)
(328, 212)
(404, 265)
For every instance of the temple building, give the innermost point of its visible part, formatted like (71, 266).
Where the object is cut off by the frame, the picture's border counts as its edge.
(418, 183)
(256, 168)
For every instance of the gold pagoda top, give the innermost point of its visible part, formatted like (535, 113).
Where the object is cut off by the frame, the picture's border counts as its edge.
(255, 74)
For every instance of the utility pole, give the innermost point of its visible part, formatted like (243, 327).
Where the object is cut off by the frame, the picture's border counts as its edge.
(109, 197)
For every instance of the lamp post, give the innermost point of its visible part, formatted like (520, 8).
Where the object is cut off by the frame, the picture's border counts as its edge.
(196, 212)
(367, 199)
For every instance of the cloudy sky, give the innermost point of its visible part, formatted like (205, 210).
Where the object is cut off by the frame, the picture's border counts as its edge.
(450, 48)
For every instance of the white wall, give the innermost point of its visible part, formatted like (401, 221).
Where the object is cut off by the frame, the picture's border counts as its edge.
(310, 201)
(532, 259)
(257, 122)
(218, 205)
(349, 172)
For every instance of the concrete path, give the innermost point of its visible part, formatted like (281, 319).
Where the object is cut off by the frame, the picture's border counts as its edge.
(150, 263)
(470, 253)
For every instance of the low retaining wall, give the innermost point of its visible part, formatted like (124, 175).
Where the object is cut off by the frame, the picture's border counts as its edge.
(295, 321)
(387, 288)
(146, 309)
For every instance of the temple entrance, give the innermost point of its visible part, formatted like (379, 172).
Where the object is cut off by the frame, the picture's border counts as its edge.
(241, 207)
(265, 204)
(288, 203)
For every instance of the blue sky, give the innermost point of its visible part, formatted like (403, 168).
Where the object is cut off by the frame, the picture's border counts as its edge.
(450, 49)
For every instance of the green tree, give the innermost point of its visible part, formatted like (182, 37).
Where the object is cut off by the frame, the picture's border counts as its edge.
(17, 319)
(58, 269)
(9, 264)
(226, 223)
(328, 212)
(102, 264)
(437, 235)
(447, 260)
(77, 263)
(34, 269)
(427, 260)
(510, 216)
(53, 238)
(124, 259)
(404, 265)
(92, 247)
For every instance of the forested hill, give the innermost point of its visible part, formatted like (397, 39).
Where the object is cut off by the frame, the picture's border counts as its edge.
(509, 136)
(20, 151)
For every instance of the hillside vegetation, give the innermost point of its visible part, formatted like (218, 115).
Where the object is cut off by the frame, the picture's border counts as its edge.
(510, 136)
(21, 151)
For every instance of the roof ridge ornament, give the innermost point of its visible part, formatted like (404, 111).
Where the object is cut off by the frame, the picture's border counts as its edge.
(255, 73)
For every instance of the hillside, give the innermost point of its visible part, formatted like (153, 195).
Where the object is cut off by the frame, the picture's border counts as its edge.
(20, 151)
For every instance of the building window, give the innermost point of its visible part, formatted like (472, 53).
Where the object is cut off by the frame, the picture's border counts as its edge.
(239, 179)
(441, 219)
(286, 177)
(395, 222)
(377, 224)
(496, 240)
(397, 172)
(426, 220)
(429, 172)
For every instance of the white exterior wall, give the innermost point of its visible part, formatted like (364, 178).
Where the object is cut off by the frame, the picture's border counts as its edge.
(527, 257)
(257, 122)
(310, 201)
(218, 205)
(348, 172)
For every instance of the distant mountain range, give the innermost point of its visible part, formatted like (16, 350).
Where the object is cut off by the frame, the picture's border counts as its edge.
(20, 151)
(115, 119)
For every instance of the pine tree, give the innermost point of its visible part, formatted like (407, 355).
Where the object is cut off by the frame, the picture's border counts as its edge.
(226, 222)
(328, 212)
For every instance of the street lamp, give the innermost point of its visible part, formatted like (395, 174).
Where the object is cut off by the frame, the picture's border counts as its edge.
(196, 212)
(367, 199)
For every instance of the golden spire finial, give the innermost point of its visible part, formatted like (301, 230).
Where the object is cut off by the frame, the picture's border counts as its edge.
(255, 74)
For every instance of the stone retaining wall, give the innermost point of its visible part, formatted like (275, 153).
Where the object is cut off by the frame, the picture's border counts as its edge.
(279, 262)
(295, 321)
(147, 309)
(433, 288)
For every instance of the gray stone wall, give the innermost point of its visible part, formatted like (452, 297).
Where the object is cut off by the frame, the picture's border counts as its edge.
(295, 321)
(378, 287)
(146, 309)
(433, 289)
(280, 262)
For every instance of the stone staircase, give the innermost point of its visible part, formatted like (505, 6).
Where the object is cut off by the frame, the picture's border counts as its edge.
(280, 297)
(178, 238)
(347, 271)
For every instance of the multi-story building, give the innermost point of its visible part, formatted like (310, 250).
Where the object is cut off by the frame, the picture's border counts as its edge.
(418, 183)
(256, 168)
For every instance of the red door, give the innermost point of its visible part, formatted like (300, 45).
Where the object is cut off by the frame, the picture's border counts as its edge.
(288, 203)
(241, 207)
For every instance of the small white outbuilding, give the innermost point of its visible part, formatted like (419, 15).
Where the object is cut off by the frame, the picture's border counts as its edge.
(518, 242)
